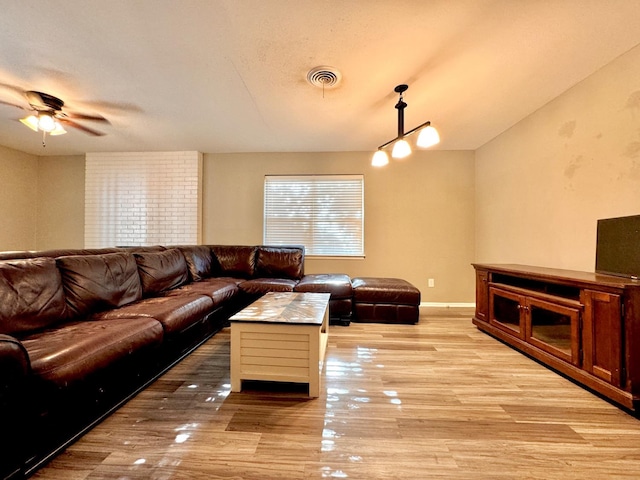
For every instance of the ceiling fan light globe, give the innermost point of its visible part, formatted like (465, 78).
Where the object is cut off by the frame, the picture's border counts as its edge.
(58, 130)
(428, 137)
(46, 123)
(380, 159)
(31, 121)
(401, 149)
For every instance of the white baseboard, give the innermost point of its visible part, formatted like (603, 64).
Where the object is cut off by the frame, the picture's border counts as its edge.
(447, 305)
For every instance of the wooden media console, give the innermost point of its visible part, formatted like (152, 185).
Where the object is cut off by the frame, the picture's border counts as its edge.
(584, 325)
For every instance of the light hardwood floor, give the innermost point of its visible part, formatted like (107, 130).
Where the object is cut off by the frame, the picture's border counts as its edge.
(439, 400)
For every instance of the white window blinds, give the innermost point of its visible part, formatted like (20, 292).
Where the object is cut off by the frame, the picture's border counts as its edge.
(325, 213)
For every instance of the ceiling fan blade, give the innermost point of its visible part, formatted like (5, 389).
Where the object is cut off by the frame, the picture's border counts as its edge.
(14, 105)
(73, 124)
(83, 116)
(14, 88)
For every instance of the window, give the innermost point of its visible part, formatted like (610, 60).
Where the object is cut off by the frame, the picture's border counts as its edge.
(325, 213)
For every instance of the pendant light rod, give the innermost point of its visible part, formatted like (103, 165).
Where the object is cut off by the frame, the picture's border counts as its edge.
(413, 130)
(400, 106)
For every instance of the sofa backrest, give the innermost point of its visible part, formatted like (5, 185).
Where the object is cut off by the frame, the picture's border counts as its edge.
(35, 294)
(31, 295)
(199, 260)
(263, 261)
(280, 262)
(56, 253)
(76, 251)
(98, 282)
(161, 271)
(234, 261)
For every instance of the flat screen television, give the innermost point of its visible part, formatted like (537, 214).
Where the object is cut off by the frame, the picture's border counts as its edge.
(618, 246)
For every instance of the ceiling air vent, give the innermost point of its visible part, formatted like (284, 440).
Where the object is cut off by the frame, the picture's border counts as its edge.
(324, 77)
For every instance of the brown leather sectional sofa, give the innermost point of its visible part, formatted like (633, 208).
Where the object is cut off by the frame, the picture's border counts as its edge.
(80, 330)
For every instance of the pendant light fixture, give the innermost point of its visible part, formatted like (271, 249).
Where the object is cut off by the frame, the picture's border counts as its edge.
(427, 136)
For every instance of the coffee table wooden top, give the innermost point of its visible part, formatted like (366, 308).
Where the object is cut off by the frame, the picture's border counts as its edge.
(296, 308)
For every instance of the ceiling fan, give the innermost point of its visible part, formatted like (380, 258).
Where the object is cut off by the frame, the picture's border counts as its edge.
(48, 117)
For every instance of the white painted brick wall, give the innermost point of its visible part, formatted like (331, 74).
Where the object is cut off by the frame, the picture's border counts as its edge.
(142, 198)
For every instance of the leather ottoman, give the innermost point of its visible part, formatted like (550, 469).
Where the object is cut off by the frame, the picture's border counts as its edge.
(385, 300)
(339, 286)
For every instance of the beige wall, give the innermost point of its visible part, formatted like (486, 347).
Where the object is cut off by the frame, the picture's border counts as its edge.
(419, 215)
(41, 201)
(60, 217)
(542, 185)
(18, 202)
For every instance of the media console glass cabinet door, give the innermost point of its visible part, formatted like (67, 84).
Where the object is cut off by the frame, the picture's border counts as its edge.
(584, 325)
(554, 328)
(506, 311)
(550, 326)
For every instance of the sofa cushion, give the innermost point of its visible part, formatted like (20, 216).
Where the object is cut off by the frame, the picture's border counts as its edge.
(280, 262)
(219, 289)
(234, 261)
(394, 291)
(385, 300)
(199, 261)
(161, 271)
(73, 351)
(98, 282)
(337, 284)
(260, 286)
(176, 313)
(31, 295)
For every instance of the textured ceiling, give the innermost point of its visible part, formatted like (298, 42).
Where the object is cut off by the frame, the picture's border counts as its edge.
(230, 75)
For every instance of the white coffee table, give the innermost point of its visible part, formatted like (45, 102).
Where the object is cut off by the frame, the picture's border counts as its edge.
(281, 337)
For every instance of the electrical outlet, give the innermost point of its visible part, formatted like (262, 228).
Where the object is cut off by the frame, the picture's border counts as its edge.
(432, 283)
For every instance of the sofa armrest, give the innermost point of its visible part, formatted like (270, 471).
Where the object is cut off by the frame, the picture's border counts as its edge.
(14, 360)
(14, 370)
